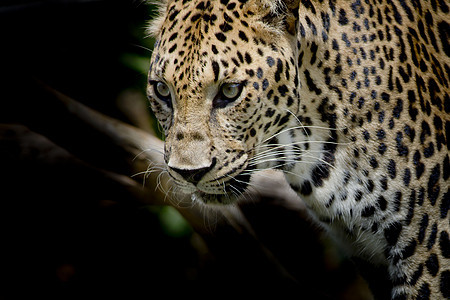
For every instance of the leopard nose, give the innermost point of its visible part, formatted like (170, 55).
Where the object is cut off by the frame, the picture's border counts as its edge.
(195, 175)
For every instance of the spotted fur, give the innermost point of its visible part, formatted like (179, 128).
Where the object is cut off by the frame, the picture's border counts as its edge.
(349, 98)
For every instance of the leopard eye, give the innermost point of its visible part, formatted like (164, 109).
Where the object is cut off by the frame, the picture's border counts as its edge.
(230, 90)
(162, 91)
(228, 93)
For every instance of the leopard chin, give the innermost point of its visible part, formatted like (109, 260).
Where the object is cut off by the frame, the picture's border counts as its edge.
(234, 189)
(213, 199)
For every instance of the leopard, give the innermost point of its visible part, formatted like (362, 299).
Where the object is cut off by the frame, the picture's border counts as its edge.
(348, 98)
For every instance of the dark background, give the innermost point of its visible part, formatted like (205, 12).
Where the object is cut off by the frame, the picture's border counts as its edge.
(61, 238)
(78, 47)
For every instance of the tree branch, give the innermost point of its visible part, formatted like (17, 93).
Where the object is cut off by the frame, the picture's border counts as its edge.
(268, 228)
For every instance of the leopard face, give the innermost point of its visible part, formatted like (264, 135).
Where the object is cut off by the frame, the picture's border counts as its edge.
(221, 83)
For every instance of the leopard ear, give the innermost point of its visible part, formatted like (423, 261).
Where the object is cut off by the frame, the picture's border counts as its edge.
(280, 14)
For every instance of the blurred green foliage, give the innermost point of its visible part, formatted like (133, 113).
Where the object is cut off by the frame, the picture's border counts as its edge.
(172, 222)
(136, 62)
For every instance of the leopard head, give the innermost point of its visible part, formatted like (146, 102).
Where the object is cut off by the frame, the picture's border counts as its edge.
(222, 81)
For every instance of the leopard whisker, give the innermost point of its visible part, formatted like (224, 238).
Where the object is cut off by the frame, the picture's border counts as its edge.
(277, 167)
(283, 153)
(292, 153)
(295, 128)
(159, 151)
(295, 144)
(235, 191)
(319, 159)
(300, 122)
(287, 158)
(282, 147)
(284, 159)
(143, 47)
(240, 181)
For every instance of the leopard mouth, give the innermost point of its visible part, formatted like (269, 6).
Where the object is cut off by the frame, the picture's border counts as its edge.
(231, 192)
